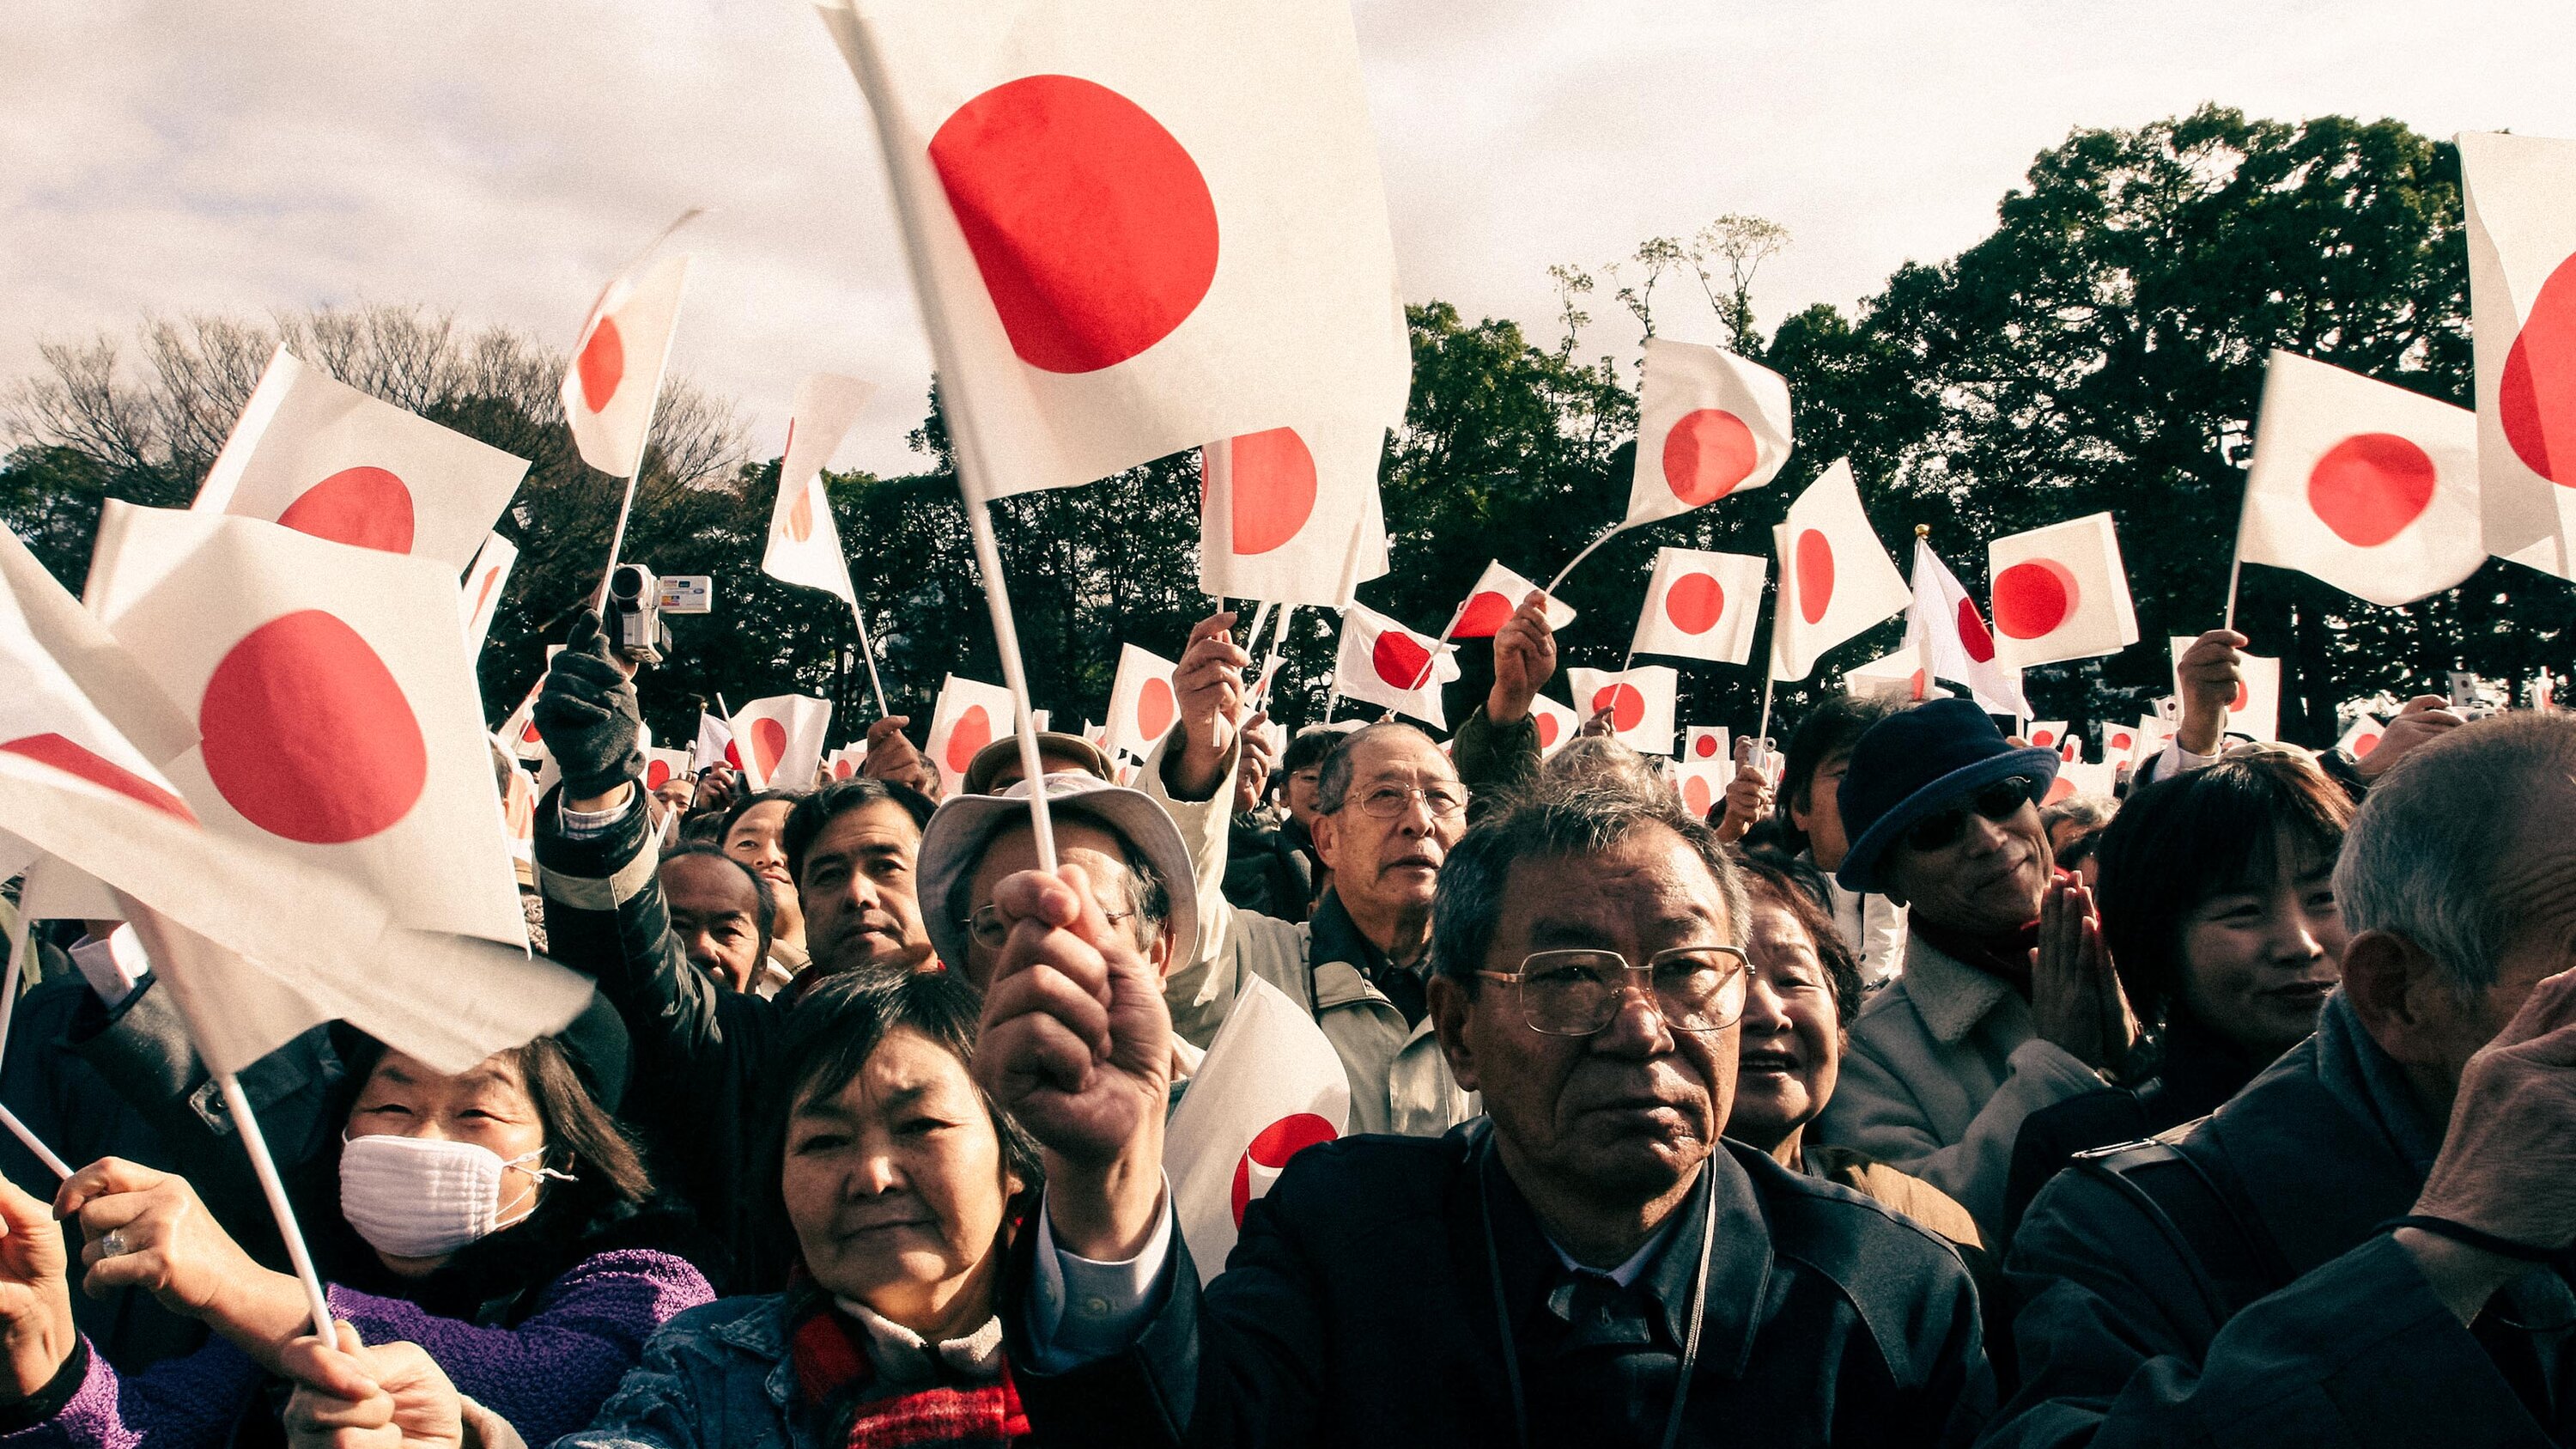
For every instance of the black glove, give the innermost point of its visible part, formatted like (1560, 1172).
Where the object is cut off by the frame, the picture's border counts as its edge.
(587, 715)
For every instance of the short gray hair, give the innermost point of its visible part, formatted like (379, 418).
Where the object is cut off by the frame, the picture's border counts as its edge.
(1333, 780)
(1148, 895)
(2423, 856)
(1555, 819)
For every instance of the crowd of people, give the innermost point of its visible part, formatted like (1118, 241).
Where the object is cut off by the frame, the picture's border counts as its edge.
(1880, 1106)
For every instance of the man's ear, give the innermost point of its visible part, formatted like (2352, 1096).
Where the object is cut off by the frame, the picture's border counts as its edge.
(1159, 954)
(1326, 830)
(2385, 977)
(1449, 1004)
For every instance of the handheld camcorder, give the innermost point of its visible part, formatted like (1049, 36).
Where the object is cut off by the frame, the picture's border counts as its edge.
(637, 600)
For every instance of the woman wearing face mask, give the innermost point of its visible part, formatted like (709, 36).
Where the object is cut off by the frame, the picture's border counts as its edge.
(2218, 908)
(497, 1217)
(900, 1184)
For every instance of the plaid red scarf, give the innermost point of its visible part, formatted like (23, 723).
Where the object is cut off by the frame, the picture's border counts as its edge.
(834, 1374)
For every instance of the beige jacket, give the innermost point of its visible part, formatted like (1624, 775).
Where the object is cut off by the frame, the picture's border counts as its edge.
(1940, 1069)
(1400, 1083)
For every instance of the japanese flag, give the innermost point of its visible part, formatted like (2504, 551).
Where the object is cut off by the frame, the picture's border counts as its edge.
(1270, 1087)
(1951, 638)
(1835, 576)
(337, 712)
(2060, 592)
(1702, 782)
(780, 740)
(1901, 674)
(518, 734)
(2047, 734)
(2522, 300)
(804, 542)
(1142, 706)
(617, 368)
(2071, 749)
(323, 458)
(481, 596)
(519, 815)
(2372, 488)
(2074, 777)
(1556, 724)
(714, 745)
(2142, 742)
(845, 762)
(2362, 738)
(661, 767)
(1709, 424)
(1701, 605)
(1339, 538)
(1640, 701)
(2256, 711)
(1707, 745)
(1489, 605)
(1382, 662)
(968, 716)
(1135, 225)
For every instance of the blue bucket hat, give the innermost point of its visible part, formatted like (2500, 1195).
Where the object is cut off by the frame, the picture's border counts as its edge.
(1913, 764)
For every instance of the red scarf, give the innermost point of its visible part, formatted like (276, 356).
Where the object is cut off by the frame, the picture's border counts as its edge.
(834, 1373)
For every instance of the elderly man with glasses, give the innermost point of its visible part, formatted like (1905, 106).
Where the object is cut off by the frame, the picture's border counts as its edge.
(1591, 1264)
(2008, 1003)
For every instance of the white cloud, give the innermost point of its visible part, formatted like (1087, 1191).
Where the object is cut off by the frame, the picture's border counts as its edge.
(498, 160)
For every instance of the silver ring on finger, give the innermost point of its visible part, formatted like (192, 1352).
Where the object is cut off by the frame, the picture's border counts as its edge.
(111, 1244)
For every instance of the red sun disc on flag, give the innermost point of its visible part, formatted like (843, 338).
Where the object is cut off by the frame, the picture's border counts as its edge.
(768, 744)
(2361, 745)
(1547, 731)
(483, 595)
(1271, 1148)
(1706, 454)
(1155, 708)
(1695, 603)
(2536, 397)
(364, 507)
(528, 734)
(2123, 740)
(1483, 617)
(1973, 635)
(1272, 490)
(2370, 486)
(2043, 738)
(2244, 696)
(732, 755)
(1627, 707)
(76, 760)
(308, 734)
(970, 734)
(1705, 747)
(842, 769)
(1815, 575)
(2058, 789)
(1092, 227)
(2033, 598)
(657, 773)
(1695, 795)
(1401, 660)
(602, 364)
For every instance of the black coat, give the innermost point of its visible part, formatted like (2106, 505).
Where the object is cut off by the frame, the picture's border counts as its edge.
(1358, 1308)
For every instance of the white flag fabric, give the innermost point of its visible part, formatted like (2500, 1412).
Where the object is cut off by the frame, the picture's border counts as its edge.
(1709, 424)
(2074, 777)
(323, 458)
(1707, 745)
(804, 541)
(1901, 674)
(780, 740)
(968, 716)
(2141, 742)
(1490, 604)
(481, 596)
(661, 767)
(2522, 303)
(2362, 738)
(846, 761)
(338, 717)
(1142, 707)
(1641, 702)
(1835, 576)
(1557, 724)
(1135, 226)
(1269, 1087)
(1277, 509)
(1947, 633)
(2060, 592)
(1701, 782)
(616, 370)
(2370, 487)
(2047, 734)
(519, 795)
(714, 745)
(2256, 711)
(1382, 662)
(1701, 605)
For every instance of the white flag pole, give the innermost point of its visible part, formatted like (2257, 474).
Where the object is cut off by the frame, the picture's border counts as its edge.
(2236, 562)
(8, 1013)
(237, 1102)
(1580, 557)
(868, 652)
(988, 561)
(46, 1155)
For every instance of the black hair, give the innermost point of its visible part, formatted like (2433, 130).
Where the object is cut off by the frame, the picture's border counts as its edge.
(765, 912)
(1830, 729)
(1799, 888)
(734, 812)
(813, 812)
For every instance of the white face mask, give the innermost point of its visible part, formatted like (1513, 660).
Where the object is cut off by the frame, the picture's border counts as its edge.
(425, 1197)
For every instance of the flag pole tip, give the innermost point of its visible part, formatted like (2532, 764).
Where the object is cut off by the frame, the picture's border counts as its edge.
(1922, 530)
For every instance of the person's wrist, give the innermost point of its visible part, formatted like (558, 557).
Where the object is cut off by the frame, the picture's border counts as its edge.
(1506, 707)
(1106, 1211)
(2463, 1277)
(614, 799)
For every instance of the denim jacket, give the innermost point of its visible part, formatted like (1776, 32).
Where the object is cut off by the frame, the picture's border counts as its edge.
(716, 1377)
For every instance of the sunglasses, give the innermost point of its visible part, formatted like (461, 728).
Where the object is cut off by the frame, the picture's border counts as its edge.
(1998, 802)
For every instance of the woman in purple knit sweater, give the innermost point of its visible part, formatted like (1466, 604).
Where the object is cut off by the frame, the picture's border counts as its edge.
(498, 1218)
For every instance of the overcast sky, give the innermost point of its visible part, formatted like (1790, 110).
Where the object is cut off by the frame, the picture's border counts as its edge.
(499, 159)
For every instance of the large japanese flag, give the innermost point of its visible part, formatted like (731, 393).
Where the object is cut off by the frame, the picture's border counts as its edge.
(1292, 515)
(2060, 592)
(1835, 576)
(336, 710)
(1557, 724)
(968, 715)
(2256, 711)
(1489, 605)
(616, 370)
(1136, 226)
(1709, 424)
(1701, 605)
(804, 542)
(2521, 194)
(1383, 662)
(2372, 488)
(1951, 638)
(481, 596)
(1142, 706)
(323, 458)
(1641, 702)
(780, 740)
(1270, 1087)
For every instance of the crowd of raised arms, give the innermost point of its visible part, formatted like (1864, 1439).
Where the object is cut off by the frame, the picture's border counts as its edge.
(1891, 1102)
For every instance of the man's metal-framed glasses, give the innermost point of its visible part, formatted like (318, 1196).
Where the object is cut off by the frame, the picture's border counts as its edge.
(988, 928)
(1578, 992)
(1388, 801)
